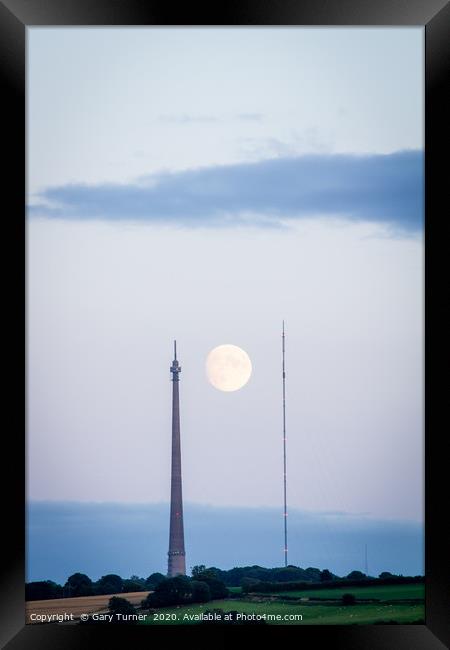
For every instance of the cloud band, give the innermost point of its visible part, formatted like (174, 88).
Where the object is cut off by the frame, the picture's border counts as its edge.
(384, 188)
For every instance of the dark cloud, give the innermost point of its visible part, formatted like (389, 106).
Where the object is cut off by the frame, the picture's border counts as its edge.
(383, 188)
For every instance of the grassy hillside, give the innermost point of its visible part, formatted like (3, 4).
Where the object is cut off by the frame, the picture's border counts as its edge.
(313, 613)
(382, 592)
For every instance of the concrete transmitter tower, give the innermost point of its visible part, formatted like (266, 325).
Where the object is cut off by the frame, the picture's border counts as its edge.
(177, 562)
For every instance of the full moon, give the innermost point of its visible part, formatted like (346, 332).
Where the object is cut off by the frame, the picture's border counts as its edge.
(228, 367)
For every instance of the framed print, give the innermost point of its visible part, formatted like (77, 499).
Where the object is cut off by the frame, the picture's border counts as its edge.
(229, 250)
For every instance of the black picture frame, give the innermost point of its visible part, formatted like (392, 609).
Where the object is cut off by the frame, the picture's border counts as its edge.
(15, 17)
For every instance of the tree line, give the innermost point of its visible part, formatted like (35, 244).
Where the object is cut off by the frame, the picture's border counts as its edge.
(352, 580)
(214, 583)
(79, 584)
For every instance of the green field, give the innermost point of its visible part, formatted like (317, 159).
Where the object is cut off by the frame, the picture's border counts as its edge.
(313, 613)
(382, 592)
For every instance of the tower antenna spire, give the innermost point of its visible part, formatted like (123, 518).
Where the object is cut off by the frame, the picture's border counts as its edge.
(175, 350)
(284, 450)
(176, 555)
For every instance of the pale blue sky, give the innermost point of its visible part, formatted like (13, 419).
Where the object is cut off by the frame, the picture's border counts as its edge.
(113, 104)
(110, 108)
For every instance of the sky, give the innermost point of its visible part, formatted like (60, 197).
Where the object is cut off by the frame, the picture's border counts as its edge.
(204, 184)
(131, 539)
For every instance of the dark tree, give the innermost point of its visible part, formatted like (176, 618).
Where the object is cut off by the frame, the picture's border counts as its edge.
(284, 574)
(43, 590)
(171, 591)
(291, 573)
(326, 576)
(197, 570)
(78, 584)
(217, 573)
(178, 591)
(109, 584)
(119, 605)
(131, 585)
(313, 574)
(250, 584)
(153, 580)
(348, 599)
(216, 586)
(116, 606)
(200, 591)
(356, 575)
(386, 574)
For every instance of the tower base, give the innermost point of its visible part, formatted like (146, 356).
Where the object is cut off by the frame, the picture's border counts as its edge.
(177, 564)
